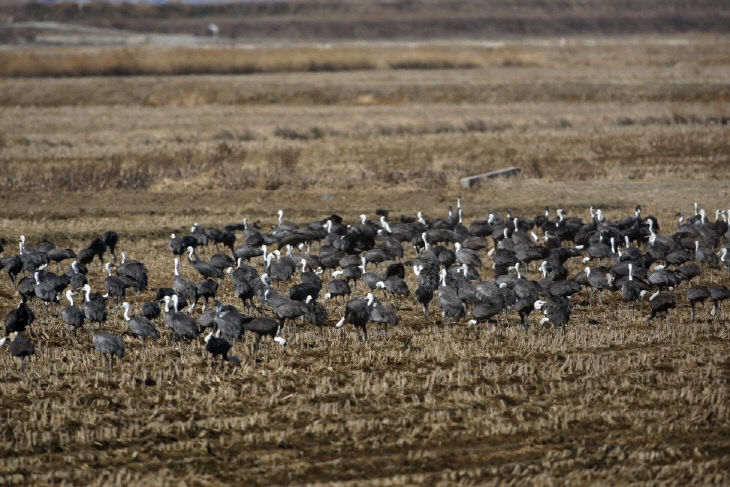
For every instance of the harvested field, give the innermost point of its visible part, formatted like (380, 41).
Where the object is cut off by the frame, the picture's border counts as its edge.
(614, 400)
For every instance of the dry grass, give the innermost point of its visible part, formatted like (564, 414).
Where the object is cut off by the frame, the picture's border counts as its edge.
(32, 61)
(153, 60)
(616, 402)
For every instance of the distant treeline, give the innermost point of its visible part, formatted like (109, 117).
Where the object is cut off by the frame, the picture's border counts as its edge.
(398, 19)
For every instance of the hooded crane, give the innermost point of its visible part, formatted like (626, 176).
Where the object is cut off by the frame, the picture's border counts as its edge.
(151, 310)
(380, 313)
(135, 273)
(557, 311)
(116, 286)
(357, 313)
(467, 256)
(76, 276)
(287, 309)
(109, 345)
(696, 294)
(18, 320)
(451, 306)
(12, 265)
(140, 326)
(45, 290)
(32, 259)
(20, 348)
(631, 290)
(204, 268)
(229, 323)
(337, 288)
(206, 289)
(110, 239)
(599, 279)
(660, 303)
(263, 326)
(183, 326)
(184, 287)
(486, 309)
(219, 347)
(243, 278)
(94, 310)
(72, 315)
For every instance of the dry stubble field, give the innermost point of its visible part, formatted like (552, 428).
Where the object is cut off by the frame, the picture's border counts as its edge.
(609, 124)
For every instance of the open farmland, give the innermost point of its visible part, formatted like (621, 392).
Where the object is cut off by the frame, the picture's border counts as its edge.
(608, 123)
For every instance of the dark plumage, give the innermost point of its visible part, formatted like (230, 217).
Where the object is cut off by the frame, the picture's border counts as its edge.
(337, 288)
(98, 247)
(484, 310)
(424, 296)
(222, 261)
(111, 238)
(661, 303)
(206, 289)
(183, 326)
(379, 313)
(705, 255)
(288, 309)
(12, 265)
(265, 327)
(229, 323)
(697, 294)
(116, 286)
(395, 285)
(19, 319)
(140, 326)
(184, 287)
(599, 279)
(451, 306)
(20, 348)
(467, 256)
(632, 290)
(94, 309)
(204, 268)
(72, 315)
(219, 347)
(151, 310)
(557, 311)
(76, 279)
(45, 290)
(356, 312)
(299, 292)
(59, 255)
(662, 278)
(134, 272)
(109, 345)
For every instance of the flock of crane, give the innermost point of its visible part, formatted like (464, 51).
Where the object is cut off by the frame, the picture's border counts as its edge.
(364, 266)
